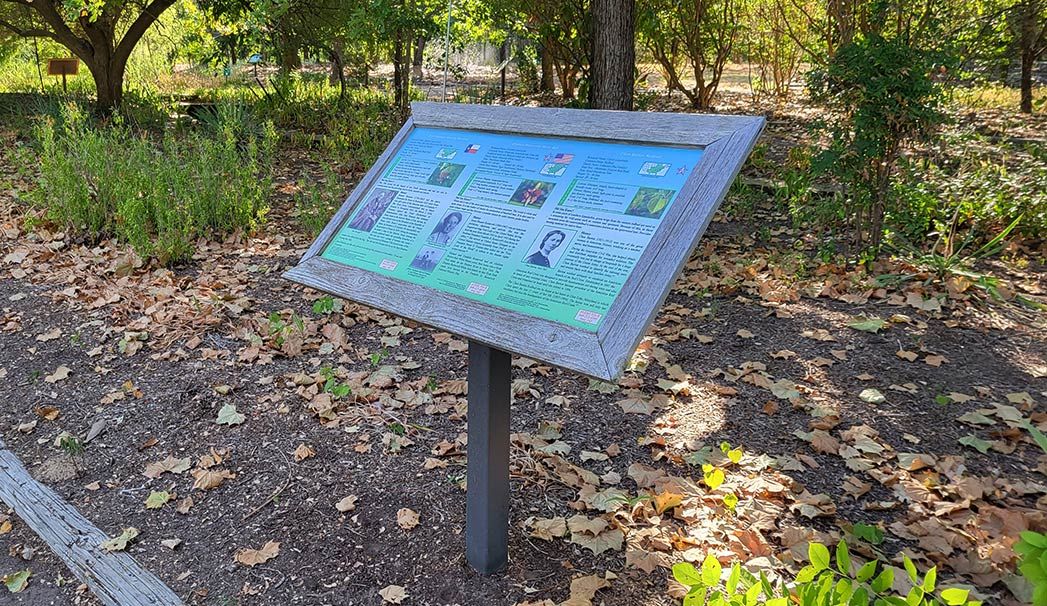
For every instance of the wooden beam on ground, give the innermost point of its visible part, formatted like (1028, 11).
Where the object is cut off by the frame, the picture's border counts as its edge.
(115, 579)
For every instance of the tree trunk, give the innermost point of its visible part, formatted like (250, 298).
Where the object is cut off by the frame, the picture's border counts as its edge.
(96, 44)
(109, 82)
(1028, 37)
(401, 79)
(548, 82)
(1026, 83)
(566, 76)
(337, 75)
(419, 57)
(613, 54)
(290, 58)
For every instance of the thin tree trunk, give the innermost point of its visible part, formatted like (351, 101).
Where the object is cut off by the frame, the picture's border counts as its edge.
(290, 58)
(1027, 34)
(419, 57)
(613, 54)
(110, 86)
(401, 78)
(337, 63)
(1026, 83)
(566, 76)
(548, 81)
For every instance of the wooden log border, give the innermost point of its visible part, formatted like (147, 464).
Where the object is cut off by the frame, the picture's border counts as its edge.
(726, 142)
(116, 579)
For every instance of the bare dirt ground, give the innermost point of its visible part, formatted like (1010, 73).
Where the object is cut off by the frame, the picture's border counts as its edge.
(754, 349)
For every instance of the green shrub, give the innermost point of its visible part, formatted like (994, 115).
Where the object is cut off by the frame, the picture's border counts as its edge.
(884, 97)
(826, 581)
(158, 196)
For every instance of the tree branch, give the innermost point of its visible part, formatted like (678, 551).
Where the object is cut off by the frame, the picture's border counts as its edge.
(141, 25)
(61, 31)
(26, 33)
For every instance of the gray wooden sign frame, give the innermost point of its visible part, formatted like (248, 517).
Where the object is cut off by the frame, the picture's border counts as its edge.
(726, 142)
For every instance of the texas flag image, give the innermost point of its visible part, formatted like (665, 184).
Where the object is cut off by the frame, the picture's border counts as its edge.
(472, 149)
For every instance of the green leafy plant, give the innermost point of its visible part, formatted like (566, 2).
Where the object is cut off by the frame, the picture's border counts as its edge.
(826, 581)
(947, 260)
(1033, 563)
(884, 97)
(376, 358)
(968, 188)
(868, 533)
(332, 385)
(159, 196)
(74, 448)
(324, 305)
(71, 445)
(279, 329)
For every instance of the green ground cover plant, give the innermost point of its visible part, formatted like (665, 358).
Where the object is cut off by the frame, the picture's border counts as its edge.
(975, 184)
(317, 201)
(1033, 564)
(157, 193)
(825, 581)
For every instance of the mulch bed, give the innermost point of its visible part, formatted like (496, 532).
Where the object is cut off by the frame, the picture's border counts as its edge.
(173, 381)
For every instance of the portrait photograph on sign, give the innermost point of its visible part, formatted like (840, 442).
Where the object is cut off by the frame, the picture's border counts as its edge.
(548, 249)
(447, 228)
(373, 209)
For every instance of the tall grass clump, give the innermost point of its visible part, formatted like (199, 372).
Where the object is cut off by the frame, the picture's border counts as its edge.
(317, 201)
(158, 195)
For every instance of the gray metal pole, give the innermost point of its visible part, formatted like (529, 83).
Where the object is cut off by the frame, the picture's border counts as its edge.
(487, 494)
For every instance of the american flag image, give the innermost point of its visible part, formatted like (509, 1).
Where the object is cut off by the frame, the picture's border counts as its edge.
(560, 158)
(472, 149)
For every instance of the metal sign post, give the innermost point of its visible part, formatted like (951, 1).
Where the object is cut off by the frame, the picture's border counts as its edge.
(487, 494)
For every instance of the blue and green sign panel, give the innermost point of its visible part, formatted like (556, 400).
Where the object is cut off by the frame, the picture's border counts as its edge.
(547, 227)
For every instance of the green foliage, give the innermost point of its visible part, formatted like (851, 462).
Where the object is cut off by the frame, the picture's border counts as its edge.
(279, 330)
(325, 305)
(776, 36)
(333, 386)
(948, 259)
(71, 445)
(158, 196)
(691, 40)
(884, 97)
(317, 201)
(376, 358)
(970, 184)
(828, 580)
(355, 127)
(1033, 563)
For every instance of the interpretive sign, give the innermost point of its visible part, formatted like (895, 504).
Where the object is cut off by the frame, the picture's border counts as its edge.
(63, 67)
(517, 222)
(550, 233)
